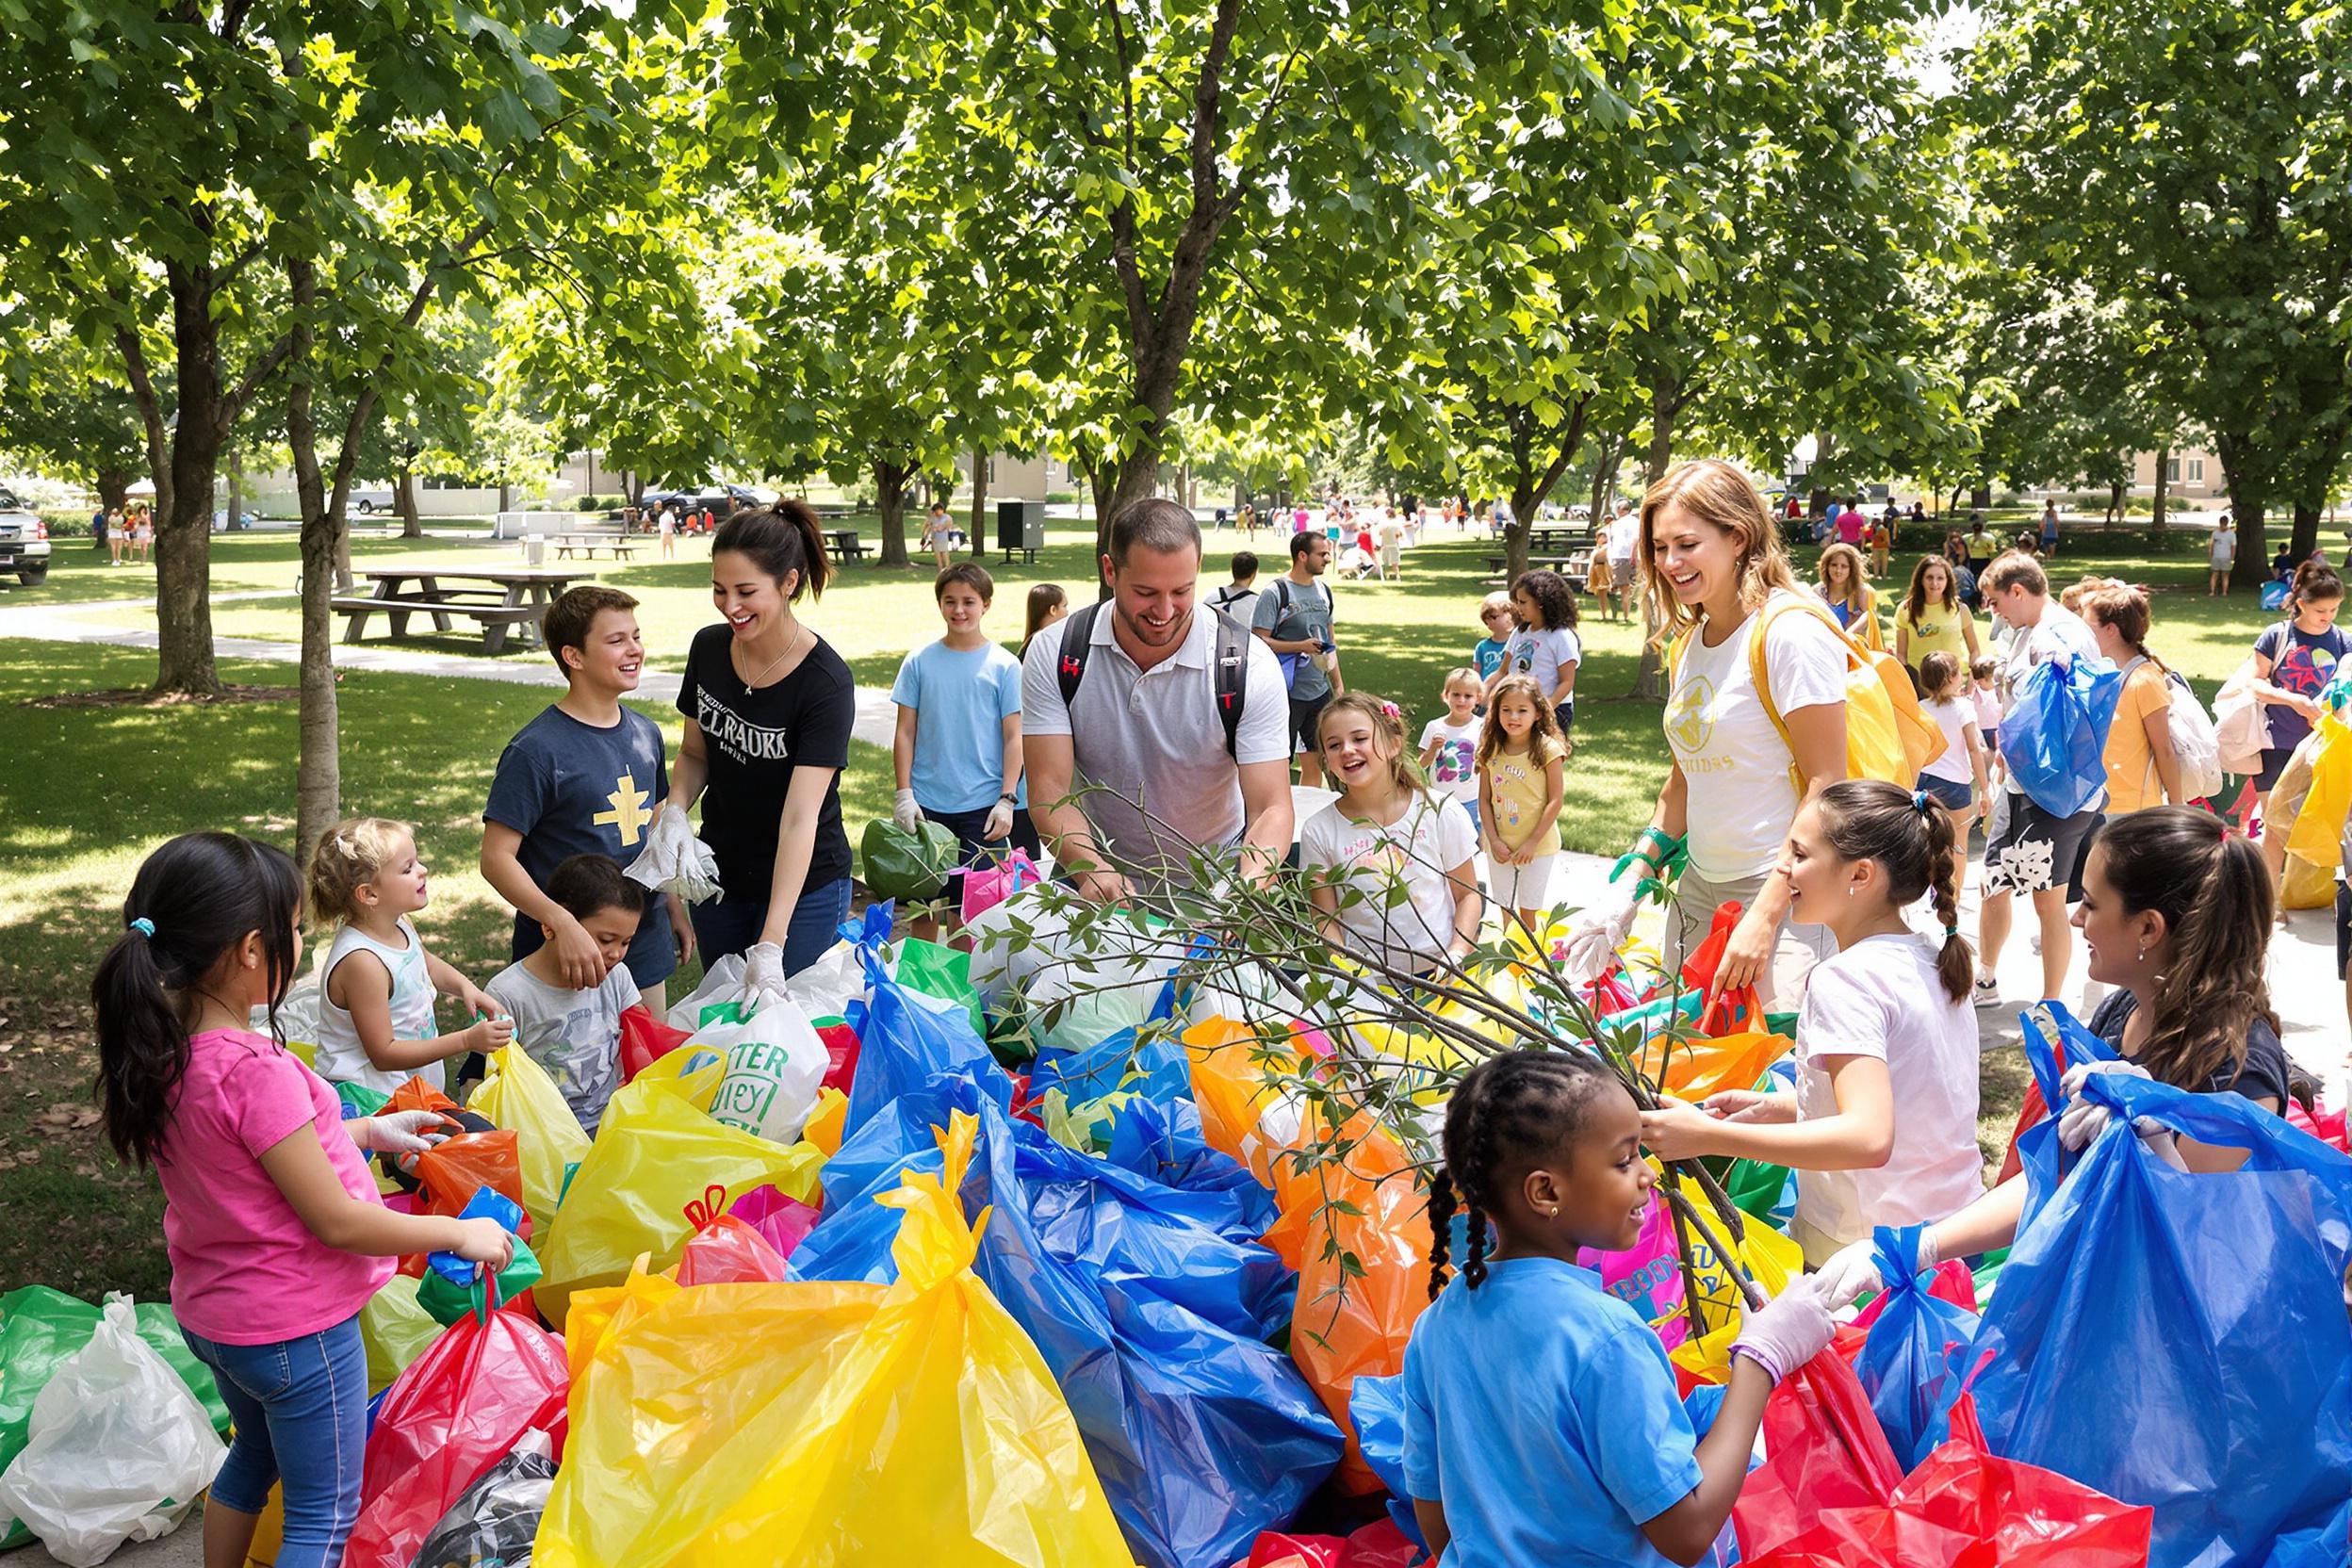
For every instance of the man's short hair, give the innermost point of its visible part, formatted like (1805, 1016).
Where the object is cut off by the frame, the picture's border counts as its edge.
(588, 885)
(1305, 540)
(971, 575)
(1245, 566)
(2014, 570)
(566, 623)
(1157, 524)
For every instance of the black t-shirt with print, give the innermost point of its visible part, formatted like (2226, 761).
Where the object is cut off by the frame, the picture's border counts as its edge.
(752, 741)
(2263, 1077)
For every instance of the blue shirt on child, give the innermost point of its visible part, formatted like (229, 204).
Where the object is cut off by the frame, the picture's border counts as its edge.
(1541, 1412)
(571, 789)
(961, 698)
(1489, 654)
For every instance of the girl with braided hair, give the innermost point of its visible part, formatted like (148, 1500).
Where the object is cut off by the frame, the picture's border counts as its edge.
(1541, 1424)
(1881, 1126)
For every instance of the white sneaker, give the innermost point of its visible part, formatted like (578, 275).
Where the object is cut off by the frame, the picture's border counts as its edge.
(1987, 991)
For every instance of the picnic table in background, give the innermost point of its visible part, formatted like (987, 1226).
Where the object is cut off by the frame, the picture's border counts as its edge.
(843, 542)
(591, 541)
(497, 598)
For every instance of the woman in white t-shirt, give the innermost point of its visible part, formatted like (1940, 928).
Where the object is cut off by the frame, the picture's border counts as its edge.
(1386, 829)
(1717, 580)
(1881, 1127)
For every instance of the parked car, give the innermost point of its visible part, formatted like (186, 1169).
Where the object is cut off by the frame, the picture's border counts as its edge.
(368, 502)
(24, 542)
(220, 520)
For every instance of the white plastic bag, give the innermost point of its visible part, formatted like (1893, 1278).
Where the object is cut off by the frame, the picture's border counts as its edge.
(826, 987)
(774, 1063)
(721, 982)
(118, 1448)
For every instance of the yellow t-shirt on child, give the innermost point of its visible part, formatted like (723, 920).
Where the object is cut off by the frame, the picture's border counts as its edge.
(1520, 789)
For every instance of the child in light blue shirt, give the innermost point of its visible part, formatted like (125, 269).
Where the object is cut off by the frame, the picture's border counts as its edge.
(1542, 1425)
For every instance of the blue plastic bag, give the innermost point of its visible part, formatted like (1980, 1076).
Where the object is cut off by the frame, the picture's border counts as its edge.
(1377, 1406)
(1915, 1360)
(2181, 1340)
(1163, 1143)
(903, 1039)
(1153, 1322)
(2054, 737)
(2275, 595)
(2045, 1029)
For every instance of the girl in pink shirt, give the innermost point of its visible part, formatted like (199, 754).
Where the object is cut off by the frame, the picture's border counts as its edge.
(276, 1234)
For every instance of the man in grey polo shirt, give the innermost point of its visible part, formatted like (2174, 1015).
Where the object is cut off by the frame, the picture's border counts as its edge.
(1144, 726)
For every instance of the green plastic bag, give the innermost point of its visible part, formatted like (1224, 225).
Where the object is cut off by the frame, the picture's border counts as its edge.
(394, 1331)
(1756, 1187)
(911, 867)
(943, 973)
(444, 1304)
(40, 1329)
(359, 1100)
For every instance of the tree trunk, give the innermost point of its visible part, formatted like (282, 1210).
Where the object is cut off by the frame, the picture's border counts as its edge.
(890, 495)
(1649, 677)
(404, 497)
(184, 660)
(2164, 484)
(979, 502)
(235, 465)
(319, 771)
(633, 486)
(2304, 541)
(1612, 451)
(114, 487)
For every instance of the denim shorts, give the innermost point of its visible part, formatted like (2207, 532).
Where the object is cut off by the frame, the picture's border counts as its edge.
(1953, 795)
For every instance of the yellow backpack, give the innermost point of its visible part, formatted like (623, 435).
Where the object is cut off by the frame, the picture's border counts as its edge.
(1887, 735)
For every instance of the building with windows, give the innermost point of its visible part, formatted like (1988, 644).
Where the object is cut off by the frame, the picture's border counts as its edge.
(2190, 475)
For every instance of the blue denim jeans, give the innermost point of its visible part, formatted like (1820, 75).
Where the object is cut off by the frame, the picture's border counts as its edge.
(731, 924)
(300, 1408)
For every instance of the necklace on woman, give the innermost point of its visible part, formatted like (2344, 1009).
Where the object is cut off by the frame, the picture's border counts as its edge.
(752, 682)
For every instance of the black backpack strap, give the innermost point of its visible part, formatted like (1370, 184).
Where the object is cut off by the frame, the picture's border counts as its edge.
(1232, 674)
(1077, 642)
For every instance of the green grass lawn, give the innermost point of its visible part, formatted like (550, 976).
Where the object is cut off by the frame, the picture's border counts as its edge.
(91, 790)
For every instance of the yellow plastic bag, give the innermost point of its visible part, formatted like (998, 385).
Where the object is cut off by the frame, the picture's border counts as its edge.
(394, 1331)
(659, 1169)
(1770, 1258)
(2318, 831)
(825, 1425)
(826, 1122)
(519, 1095)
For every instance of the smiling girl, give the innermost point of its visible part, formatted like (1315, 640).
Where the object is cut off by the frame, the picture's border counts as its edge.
(769, 705)
(1931, 619)
(1387, 829)
(1522, 760)
(1717, 581)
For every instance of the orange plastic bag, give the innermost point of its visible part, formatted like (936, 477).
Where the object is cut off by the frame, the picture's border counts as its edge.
(1349, 1325)
(451, 1172)
(1229, 1068)
(1733, 1055)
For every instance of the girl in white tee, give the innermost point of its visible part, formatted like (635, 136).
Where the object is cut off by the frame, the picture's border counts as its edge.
(1881, 1127)
(1387, 828)
(1717, 581)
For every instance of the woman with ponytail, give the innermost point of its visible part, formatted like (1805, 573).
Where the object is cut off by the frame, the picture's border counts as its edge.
(2176, 912)
(276, 1235)
(1881, 1126)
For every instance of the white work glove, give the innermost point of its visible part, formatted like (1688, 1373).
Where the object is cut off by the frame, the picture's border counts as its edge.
(676, 861)
(399, 1132)
(1788, 1330)
(903, 810)
(2083, 1120)
(1000, 823)
(763, 977)
(1599, 931)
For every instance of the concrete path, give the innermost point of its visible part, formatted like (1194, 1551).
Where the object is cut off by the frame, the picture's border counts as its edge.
(67, 623)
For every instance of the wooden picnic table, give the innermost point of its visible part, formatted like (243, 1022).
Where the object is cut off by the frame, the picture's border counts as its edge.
(621, 544)
(499, 600)
(844, 544)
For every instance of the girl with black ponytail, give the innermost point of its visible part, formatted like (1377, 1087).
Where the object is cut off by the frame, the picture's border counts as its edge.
(276, 1234)
(1541, 1423)
(1881, 1126)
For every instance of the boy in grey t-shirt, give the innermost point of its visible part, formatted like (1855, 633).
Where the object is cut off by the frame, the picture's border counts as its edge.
(576, 1035)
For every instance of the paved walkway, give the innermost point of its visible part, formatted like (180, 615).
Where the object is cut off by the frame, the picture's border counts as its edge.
(66, 623)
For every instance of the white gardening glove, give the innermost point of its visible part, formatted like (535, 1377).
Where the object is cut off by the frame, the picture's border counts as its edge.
(399, 1132)
(1852, 1273)
(675, 860)
(1788, 1330)
(2083, 1120)
(1599, 931)
(1000, 823)
(763, 977)
(903, 810)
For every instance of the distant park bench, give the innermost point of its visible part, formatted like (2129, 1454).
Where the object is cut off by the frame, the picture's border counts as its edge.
(588, 544)
(498, 600)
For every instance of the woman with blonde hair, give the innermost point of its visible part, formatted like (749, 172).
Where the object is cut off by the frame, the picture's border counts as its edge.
(1717, 580)
(1851, 598)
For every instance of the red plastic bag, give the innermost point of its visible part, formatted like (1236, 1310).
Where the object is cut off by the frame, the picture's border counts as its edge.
(726, 1251)
(2327, 1126)
(1829, 1495)
(457, 1410)
(781, 1222)
(1379, 1544)
(645, 1039)
(840, 1045)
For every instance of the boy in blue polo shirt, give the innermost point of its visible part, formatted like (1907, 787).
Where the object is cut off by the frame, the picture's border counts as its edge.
(584, 777)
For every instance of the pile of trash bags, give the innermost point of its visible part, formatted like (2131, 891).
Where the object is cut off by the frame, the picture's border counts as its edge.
(1015, 1255)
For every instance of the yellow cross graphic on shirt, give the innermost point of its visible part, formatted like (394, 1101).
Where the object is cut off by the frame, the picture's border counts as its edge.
(628, 812)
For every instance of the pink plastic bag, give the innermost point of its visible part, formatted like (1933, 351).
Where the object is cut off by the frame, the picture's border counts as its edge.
(726, 1251)
(1646, 1276)
(781, 1222)
(986, 886)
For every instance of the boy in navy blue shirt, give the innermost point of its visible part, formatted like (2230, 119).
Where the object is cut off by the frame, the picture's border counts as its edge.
(584, 777)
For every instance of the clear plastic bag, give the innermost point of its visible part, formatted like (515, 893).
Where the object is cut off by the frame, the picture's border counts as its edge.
(118, 1448)
(495, 1522)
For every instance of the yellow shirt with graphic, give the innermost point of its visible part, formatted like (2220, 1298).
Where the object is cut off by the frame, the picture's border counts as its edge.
(1520, 789)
